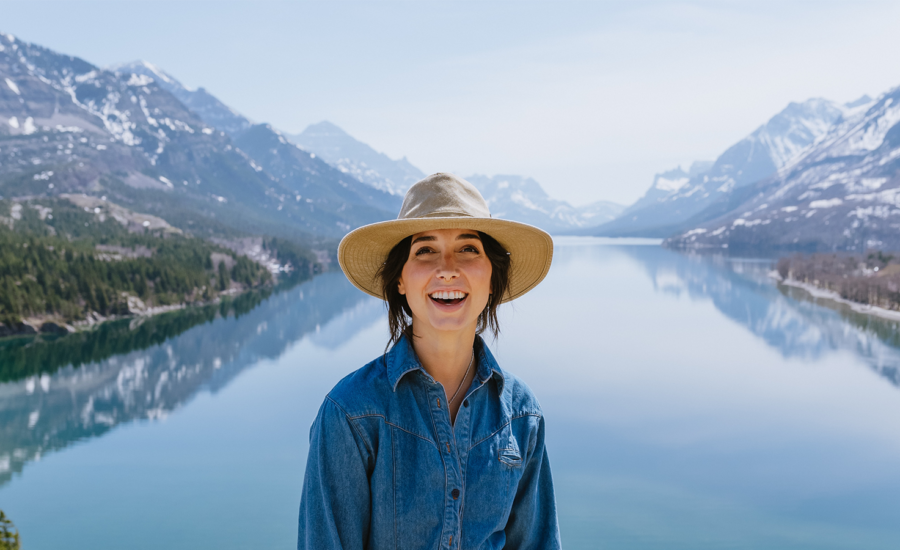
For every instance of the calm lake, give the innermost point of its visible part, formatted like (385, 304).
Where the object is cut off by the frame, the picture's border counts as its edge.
(690, 403)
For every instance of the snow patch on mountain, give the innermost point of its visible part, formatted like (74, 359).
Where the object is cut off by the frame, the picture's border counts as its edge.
(668, 185)
(841, 193)
(206, 106)
(774, 146)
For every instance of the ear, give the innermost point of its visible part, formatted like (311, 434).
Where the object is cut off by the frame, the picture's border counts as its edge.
(401, 288)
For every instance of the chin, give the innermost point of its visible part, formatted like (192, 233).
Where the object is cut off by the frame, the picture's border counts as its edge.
(454, 323)
(451, 325)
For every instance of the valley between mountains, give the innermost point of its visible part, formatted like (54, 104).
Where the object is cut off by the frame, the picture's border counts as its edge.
(124, 192)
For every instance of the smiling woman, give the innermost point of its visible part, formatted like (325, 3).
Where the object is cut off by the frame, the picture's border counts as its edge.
(394, 289)
(433, 445)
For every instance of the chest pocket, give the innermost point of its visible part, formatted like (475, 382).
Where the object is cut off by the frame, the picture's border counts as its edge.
(509, 454)
(494, 469)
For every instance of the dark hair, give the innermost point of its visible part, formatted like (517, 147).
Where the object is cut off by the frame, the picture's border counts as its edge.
(399, 313)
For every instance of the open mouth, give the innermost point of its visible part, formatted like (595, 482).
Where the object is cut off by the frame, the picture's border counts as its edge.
(448, 297)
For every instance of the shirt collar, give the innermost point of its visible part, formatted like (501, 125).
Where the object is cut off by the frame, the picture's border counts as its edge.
(402, 359)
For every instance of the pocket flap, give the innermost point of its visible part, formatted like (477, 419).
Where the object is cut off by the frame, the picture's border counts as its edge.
(510, 453)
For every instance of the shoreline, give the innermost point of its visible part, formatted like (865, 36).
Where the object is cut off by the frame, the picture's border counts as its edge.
(817, 292)
(52, 326)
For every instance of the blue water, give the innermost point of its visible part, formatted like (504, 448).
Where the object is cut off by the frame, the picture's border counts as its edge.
(690, 404)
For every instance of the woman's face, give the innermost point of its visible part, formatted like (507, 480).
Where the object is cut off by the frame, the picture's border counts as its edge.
(446, 279)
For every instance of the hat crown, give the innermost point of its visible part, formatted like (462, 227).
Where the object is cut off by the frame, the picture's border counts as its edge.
(443, 195)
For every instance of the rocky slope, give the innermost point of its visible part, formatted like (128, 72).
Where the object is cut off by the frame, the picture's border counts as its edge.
(199, 101)
(314, 183)
(67, 126)
(357, 159)
(843, 193)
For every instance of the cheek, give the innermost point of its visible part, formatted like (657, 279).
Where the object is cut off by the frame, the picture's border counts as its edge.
(481, 275)
(411, 279)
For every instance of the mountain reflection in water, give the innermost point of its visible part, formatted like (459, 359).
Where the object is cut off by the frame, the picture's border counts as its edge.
(691, 404)
(786, 318)
(174, 356)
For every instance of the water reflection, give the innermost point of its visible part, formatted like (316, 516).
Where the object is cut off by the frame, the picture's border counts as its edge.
(678, 414)
(150, 369)
(786, 318)
(45, 354)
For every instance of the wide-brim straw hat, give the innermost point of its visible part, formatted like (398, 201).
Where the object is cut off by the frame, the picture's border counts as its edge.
(445, 201)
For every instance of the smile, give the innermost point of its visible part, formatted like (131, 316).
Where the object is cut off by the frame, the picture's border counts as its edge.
(448, 297)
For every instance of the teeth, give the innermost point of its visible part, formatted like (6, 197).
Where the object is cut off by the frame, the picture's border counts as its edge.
(448, 295)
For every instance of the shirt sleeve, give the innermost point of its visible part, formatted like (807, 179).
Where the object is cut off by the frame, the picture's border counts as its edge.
(532, 522)
(335, 503)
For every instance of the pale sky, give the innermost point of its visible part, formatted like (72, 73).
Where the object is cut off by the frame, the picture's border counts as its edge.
(589, 98)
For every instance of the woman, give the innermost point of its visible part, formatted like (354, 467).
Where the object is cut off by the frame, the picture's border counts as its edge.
(432, 445)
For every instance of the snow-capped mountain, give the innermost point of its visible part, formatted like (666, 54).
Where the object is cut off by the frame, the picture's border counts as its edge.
(357, 159)
(668, 183)
(312, 179)
(199, 101)
(756, 157)
(71, 127)
(843, 193)
(513, 197)
(523, 199)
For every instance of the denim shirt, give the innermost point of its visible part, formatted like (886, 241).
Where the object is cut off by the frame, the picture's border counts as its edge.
(387, 469)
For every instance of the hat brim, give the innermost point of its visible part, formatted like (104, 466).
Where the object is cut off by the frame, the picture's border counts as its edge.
(364, 250)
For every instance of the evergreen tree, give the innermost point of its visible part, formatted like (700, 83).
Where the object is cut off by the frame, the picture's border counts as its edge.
(9, 536)
(53, 266)
(223, 276)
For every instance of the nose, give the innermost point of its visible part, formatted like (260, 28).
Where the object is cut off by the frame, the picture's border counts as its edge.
(447, 270)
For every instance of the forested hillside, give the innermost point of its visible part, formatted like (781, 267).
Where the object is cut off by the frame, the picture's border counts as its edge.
(63, 264)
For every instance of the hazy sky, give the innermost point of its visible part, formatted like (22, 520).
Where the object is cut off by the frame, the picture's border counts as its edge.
(590, 98)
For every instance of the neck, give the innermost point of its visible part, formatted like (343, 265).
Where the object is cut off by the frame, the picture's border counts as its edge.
(445, 355)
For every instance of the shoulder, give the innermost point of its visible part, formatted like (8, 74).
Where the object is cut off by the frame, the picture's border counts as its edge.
(363, 391)
(518, 397)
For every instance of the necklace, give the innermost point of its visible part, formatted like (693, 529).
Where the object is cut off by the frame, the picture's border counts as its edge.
(466, 375)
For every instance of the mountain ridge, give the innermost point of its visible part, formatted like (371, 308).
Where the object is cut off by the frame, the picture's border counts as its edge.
(351, 156)
(755, 157)
(843, 193)
(71, 127)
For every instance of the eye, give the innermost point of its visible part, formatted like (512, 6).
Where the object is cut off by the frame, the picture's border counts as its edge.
(470, 248)
(424, 250)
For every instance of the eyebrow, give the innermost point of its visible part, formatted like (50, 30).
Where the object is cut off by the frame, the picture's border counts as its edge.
(462, 237)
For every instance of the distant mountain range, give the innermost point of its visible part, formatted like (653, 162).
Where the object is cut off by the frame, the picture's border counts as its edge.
(840, 193)
(510, 196)
(818, 175)
(676, 197)
(135, 134)
(70, 127)
(354, 157)
(523, 199)
(314, 180)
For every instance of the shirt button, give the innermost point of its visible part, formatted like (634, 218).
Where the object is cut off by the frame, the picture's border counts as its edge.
(466, 403)
(454, 493)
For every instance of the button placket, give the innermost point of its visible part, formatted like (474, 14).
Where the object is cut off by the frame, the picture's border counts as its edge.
(462, 436)
(447, 444)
